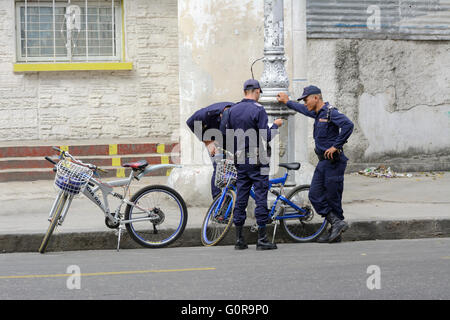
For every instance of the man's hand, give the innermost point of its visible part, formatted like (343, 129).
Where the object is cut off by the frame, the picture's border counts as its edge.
(329, 153)
(283, 97)
(278, 122)
(211, 146)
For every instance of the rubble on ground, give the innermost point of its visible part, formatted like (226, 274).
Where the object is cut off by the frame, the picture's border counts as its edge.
(386, 172)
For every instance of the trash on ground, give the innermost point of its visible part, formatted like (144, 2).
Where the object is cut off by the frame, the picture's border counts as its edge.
(386, 172)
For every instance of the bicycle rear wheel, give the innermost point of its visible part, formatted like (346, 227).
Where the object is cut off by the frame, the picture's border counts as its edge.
(216, 225)
(169, 216)
(59, 206)
(304, 229)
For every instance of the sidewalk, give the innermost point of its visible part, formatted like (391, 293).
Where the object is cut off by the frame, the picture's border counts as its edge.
(376, 208)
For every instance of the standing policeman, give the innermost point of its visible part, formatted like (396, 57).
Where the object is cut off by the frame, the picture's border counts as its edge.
(249, 123)
(209, 118)
(331, 131)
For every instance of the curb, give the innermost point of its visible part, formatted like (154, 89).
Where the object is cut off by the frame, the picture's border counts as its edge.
(107, 240)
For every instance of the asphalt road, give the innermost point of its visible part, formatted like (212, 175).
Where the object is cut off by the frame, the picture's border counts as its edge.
(388, 269)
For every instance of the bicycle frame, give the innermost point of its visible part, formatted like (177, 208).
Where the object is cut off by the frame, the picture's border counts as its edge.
(71, 179)
(273, 215)
(106, 189)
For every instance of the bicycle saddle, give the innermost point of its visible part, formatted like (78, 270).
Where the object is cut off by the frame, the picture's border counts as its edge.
(290, 166)
(138, 165)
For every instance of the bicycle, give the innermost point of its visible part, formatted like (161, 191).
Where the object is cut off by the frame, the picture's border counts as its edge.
(154, 217)
(293, 211)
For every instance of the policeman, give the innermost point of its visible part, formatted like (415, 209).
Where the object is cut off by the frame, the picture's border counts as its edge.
(209, 118)
(248, 120)
(331, 131)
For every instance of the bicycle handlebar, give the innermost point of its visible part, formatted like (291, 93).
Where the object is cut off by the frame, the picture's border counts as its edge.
(66, 154)
(50, 160)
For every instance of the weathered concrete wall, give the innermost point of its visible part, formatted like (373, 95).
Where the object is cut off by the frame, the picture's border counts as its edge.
(396, 92)
(218, 41)
(142, 103)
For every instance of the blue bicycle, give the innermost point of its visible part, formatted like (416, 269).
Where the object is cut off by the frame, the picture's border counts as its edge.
(293, 211)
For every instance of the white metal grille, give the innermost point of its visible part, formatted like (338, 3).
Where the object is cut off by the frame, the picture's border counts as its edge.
(70, 30)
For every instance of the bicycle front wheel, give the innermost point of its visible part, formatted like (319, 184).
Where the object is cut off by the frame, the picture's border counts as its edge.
(307, 228)
(158, 217)
(218, 219)
(58, 207)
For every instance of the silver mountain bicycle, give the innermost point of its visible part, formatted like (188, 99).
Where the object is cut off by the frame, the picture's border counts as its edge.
(154, 217)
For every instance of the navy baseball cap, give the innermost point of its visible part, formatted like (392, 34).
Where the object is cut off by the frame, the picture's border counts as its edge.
(252, 84)
(307, 91)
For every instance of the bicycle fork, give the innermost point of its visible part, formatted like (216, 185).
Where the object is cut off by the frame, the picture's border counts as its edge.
(64, 205)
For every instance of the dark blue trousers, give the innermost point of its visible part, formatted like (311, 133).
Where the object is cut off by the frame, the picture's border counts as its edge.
(327, 186)
(249, 175)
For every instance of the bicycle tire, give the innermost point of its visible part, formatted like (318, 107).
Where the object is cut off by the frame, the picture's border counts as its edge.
(173, 235)
(204, 232)
(303, 231)
(53, 223)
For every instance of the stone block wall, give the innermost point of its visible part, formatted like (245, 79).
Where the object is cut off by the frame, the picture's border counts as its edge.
(89, 105)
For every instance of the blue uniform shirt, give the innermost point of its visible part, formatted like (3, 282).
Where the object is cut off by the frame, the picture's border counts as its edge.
(326, 134)
(245, 115)
(209, 116)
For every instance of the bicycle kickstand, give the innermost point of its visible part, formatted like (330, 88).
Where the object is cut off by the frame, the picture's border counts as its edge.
(119, 234)
(274, 232)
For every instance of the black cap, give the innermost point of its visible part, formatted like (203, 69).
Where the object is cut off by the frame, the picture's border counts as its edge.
(307, 91)
(252, 84)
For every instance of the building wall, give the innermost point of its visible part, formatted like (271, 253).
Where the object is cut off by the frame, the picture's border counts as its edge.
(91, 105)
(396, 92)
(218, 41)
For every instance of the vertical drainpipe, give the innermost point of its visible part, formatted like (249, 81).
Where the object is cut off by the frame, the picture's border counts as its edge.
(299, 81)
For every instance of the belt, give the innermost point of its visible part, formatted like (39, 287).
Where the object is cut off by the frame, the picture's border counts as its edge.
(336, 156)
(321, 157)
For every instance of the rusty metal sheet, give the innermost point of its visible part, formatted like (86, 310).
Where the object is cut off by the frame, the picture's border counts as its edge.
(387, 19)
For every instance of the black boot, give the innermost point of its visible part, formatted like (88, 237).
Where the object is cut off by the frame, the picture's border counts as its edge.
(337, 227)
(263, 243)
(240, 241)
(326, 235)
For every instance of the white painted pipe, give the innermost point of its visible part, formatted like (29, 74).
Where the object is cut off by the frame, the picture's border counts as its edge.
(299, 81)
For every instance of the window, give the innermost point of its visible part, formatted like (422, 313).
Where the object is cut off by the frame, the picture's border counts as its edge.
(69, 31)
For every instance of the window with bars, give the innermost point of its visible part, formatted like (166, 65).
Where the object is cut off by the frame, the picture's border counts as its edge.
(79, 31)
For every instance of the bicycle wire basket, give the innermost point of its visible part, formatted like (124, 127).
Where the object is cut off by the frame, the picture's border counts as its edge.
(71, 177)
(225, 170)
